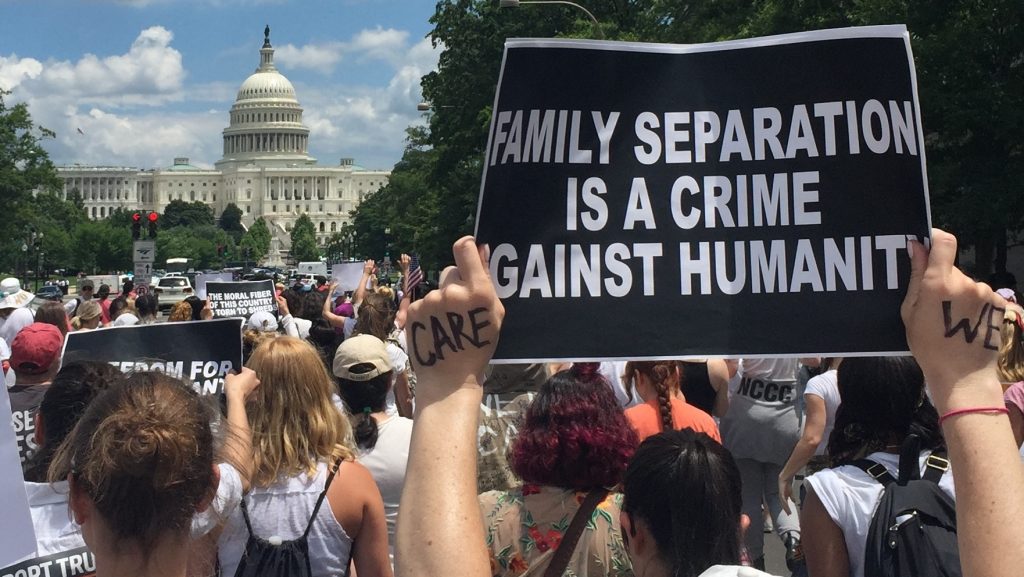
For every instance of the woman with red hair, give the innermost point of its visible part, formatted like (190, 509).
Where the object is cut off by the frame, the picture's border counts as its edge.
(573, 445)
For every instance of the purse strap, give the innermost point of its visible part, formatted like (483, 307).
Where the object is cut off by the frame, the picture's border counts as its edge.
(567, 545)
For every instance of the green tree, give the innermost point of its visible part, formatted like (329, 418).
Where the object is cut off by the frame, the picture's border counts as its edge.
(231, 221)
(24, 167)
(181, 213)
(256, 241)
(99, 247)
(304, 240)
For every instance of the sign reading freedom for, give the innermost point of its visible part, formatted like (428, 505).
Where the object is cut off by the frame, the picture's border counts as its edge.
(200, 352)
(744, 198)
(241, 299)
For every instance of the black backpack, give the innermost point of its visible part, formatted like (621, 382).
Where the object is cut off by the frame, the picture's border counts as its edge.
(262, 558)
(913, 530)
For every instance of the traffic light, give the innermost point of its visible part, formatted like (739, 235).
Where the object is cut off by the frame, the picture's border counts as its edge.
(152, 224)
(136, 225)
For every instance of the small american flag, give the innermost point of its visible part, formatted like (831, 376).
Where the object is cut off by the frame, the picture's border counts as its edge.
(415, 275)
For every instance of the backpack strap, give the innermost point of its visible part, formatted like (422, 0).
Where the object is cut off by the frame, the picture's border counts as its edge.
(935, 466)
(875, 470)
(320, 499)
(560, 560)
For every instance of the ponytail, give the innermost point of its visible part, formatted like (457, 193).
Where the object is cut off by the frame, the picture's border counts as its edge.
(364, 428)
(661, 375)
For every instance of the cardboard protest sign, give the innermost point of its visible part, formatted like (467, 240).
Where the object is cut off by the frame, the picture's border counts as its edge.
(200, 352)
(203, 278)
(241, 299)
(740, 198)
(347, 275)
(17, 537)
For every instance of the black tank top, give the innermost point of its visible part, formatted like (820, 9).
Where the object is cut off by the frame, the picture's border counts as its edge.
(696, 386)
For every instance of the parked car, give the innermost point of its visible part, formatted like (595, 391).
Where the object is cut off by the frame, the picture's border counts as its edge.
(50, 292)
(172, 289)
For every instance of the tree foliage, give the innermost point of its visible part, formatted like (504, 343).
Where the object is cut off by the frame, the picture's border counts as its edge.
(181, 213)
(256, 241)
(303, 238)
(231, 221)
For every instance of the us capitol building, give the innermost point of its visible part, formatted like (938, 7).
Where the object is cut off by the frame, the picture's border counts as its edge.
(265, 169)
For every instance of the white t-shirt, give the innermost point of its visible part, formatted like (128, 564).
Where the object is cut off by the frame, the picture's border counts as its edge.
(612, 370)
(229, 494)
(850, 497)
(387, 462)
(825, 387)
(283, 510)
(51, 518)
(399, 363)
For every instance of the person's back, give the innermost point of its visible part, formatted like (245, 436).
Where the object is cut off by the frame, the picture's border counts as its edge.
(574, 442)
(882, 402)
(298, 434)
(363, 369)
(283, 510)
(387, 462)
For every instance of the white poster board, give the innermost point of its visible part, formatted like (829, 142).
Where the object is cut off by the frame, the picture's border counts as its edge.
(17, 537)
(347, 275)
(203, 278)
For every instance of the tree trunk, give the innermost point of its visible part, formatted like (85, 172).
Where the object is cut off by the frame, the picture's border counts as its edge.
(983, 249)
(1000, 261)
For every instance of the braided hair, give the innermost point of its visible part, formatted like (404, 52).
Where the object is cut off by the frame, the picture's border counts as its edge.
(663, 377)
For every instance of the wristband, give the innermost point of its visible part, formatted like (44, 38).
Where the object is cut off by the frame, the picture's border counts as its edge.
(999, 410)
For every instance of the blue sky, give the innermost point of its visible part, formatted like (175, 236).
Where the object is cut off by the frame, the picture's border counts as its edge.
(149, 80)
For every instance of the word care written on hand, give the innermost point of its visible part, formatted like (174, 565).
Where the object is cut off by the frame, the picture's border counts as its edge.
(752, 197)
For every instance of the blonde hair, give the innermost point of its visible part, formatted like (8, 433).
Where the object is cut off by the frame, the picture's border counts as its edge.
(386, 291)
(295, 424)
(1011, 352)
(182, 311)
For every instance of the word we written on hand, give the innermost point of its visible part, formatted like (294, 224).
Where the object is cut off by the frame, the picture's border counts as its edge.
(455, 337)
(971, 333)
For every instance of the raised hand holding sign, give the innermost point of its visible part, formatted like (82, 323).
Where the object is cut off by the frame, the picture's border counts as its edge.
(454, 331)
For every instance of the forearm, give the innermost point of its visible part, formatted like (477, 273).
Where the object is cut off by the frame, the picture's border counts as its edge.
(440, 490)
(985, 463)
(801, 455)
(360, 292)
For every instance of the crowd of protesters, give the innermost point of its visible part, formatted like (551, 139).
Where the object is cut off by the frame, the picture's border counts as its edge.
(335, 446)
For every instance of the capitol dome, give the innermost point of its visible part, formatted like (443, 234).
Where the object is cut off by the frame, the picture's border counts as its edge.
(266, 84)
(266, 118)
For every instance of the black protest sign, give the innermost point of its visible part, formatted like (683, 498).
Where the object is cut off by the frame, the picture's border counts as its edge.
(200, 352)
(241, 299)
(77, 562)
(740, 198)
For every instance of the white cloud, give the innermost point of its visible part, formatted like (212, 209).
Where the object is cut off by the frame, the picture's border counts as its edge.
(141, 140)
(318, 57)
(385, 44)
(13, 70)
(149, 73)
(369, 122)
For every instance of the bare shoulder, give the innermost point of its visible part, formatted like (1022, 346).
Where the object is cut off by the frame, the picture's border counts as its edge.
(353, 494)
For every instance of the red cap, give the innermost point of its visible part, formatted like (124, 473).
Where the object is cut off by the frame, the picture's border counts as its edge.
(36, 348)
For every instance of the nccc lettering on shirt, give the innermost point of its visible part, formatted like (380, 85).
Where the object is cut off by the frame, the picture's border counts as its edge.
(762, 390)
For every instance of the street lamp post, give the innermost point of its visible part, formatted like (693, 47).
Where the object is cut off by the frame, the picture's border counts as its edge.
(518, 3)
